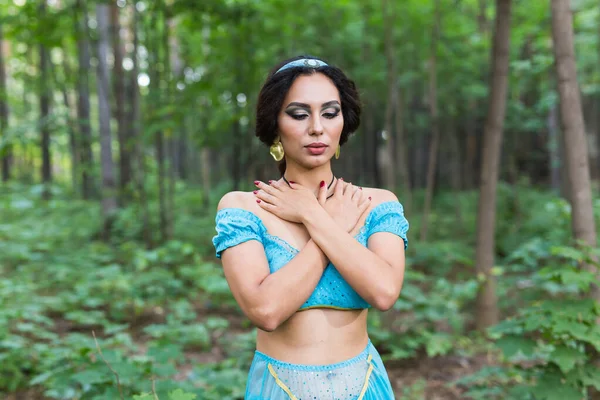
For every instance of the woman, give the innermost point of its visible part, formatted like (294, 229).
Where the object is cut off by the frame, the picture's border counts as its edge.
(305, 256)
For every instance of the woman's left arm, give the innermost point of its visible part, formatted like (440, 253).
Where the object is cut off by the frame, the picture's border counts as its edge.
(375, 272)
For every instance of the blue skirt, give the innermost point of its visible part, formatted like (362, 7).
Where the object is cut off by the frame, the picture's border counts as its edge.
(360, 378)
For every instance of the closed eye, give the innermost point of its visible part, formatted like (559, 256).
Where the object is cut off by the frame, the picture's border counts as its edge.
(299, 117)
(331, 115)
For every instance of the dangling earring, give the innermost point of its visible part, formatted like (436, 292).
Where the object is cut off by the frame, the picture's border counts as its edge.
(276, 150)
(337, 152)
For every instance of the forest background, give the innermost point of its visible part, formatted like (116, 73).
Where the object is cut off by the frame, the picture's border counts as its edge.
(122, 123)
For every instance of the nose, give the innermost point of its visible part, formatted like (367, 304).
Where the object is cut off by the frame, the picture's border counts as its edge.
(316, 127)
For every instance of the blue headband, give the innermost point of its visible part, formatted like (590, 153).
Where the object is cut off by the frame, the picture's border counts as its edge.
(303, 62)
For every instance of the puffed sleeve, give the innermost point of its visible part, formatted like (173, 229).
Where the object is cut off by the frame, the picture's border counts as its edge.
(235, 226)
(388, 217)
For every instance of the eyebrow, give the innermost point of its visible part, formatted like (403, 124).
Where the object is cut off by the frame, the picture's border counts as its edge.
(324, 105)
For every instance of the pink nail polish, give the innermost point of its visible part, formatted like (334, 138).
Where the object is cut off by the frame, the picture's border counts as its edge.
(369, 197)
(270, 181)
(292, 182)
(256, 191)
(360, 188)
(258, 200)
(322, 183)
(256, 182)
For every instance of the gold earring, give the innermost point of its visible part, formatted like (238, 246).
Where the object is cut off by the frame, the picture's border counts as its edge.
(337, 152)
(276, 150)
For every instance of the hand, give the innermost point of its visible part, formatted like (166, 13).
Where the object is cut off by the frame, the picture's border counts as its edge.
(347, 204)
(292, 204)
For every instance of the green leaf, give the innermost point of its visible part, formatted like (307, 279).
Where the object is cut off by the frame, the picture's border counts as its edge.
(179, 394)
(566, 358)
(512, 345)
(551, 387)
(438, 344)
(90, 377)
(143, 396)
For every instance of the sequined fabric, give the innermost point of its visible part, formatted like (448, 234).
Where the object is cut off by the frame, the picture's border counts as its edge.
(360, 378)
(235, 226)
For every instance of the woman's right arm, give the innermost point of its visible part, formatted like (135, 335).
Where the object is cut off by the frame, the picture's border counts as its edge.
(269, 299)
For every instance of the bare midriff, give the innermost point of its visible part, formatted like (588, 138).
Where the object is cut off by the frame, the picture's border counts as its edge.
(317, 336)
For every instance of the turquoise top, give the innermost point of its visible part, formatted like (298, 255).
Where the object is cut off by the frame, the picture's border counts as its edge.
(235, 226)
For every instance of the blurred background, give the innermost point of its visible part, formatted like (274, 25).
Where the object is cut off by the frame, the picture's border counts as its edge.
(122, 124)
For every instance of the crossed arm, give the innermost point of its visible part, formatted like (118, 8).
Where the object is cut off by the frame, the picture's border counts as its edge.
(375, 273)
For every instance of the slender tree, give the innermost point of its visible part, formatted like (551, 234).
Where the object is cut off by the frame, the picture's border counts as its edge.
(83, 99)
(575, 144)
(389, 171)
(120, 103)
(109, 201)
(6, 154)
(487, 302)
(45, 112)
(435, 128)
(134, 124)
(62, 85)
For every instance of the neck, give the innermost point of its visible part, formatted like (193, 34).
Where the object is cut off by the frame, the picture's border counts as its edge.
(311, 178)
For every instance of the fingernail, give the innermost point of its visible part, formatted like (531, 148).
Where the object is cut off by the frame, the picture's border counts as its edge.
(256, 182)
(322, 183)
(341, 179)
(369, 197)
(360, 188)
(256, 191)
(258, 200)
(292, 182)
(270, 181)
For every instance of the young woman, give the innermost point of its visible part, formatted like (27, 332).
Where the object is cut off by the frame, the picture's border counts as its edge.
(306, 256)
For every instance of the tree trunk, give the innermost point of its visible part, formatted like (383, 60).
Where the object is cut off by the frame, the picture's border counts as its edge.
(402, 153)
(70, 122)
(45, 114)
(6, 154)
(205, 168)
(83, 100)
(470, 146)
(170, 137)
(154, 40)
(554, 150)
(576, 154)
(487, 302)
(455, 175)
(435, 129)
(109, 200)
(389, 170)
(120, 109)
(139, 173)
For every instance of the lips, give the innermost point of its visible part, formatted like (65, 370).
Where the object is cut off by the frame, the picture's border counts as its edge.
(316, 145)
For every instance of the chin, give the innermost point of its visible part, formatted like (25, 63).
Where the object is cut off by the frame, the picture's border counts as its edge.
(316, 161)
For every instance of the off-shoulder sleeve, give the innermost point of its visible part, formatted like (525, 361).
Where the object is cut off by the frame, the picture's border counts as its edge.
(235, 226)
(388, 217)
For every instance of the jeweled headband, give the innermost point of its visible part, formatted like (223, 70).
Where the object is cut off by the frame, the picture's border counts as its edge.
(303, 62)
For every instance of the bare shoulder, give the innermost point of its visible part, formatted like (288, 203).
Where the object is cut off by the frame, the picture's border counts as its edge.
(379, 196)
(243, 200)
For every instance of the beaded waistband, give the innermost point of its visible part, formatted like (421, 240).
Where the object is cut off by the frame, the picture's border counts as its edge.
(307, 367)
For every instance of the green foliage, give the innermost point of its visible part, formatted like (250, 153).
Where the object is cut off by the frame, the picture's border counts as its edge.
(551, 346)
(60, 286)
(155, 312)
(425, 321)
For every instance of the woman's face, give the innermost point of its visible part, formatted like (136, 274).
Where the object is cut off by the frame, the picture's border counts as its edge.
(310, 121)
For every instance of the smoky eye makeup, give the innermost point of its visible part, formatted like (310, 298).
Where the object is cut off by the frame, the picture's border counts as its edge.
(296, 112)
(331, 112)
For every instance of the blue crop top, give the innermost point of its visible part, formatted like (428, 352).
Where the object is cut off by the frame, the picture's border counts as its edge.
(235, 226)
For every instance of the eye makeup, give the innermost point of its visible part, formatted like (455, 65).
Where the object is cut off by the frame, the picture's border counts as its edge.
(300, 111)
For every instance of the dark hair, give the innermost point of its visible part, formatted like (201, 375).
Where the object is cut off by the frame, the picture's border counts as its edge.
(276, 87)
